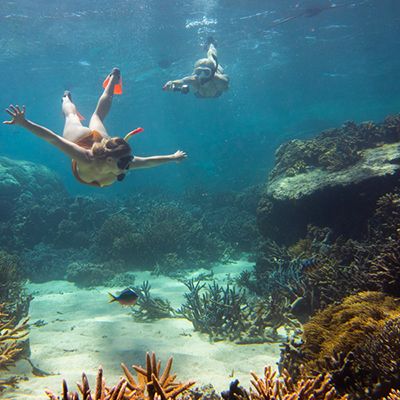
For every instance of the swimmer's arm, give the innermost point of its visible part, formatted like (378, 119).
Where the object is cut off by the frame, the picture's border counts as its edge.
(69, 148)
(187, 80)
(155, 161)
(224, 78)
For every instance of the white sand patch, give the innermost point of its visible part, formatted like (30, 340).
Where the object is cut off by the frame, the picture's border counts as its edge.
(84, 331)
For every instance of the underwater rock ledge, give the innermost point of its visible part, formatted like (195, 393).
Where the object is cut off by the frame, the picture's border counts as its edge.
(341, 198)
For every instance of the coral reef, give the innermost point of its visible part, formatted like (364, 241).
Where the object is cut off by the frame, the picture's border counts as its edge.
(11, 334)
(354, 165)
(150, 308)
(356, 342)
(284, 388)
(89, 274)
(51, 230)
(221, 312)
(11, 346)
(150, 235)
(12, 294)
(149, 384)
(227, 313)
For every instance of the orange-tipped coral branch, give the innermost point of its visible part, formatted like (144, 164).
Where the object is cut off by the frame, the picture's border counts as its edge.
(10, 333)
(273, 388)
(148, 385)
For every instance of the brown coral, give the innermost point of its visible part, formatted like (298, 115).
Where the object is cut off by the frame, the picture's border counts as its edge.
(148, 385)
(10, 334)
(273, 388)
(393, 395)
(340, 328)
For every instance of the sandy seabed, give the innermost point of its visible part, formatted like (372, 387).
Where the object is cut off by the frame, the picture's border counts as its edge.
(83, 330)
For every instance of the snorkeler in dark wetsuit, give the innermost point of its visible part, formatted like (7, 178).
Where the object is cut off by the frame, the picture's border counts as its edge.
(208, 79)
(308, 13)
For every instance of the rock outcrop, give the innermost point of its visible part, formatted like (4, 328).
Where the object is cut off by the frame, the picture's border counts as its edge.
(21, 181)
(332, 180)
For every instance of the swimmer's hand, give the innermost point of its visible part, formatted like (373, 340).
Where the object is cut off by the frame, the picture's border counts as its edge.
(169, 86)
(18, 115)
(179, 156)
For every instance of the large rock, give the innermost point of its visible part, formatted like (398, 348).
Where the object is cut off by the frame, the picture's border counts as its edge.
(332, 180)
(22, 182)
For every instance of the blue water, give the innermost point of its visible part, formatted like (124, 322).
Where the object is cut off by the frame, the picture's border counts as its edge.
(290, 81)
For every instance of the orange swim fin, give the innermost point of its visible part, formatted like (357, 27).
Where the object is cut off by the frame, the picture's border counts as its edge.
(117, 87)
(134, 132)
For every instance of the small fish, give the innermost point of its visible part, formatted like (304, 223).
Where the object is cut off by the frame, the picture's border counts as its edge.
(127, 297)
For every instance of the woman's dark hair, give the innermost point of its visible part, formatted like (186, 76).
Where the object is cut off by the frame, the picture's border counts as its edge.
(114, 147)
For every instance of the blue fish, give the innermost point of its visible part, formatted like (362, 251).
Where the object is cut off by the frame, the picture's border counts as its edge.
(127, 297)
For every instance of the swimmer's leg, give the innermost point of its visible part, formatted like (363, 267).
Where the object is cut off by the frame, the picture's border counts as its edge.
(73, 128)
(212, 54)
(104, 104)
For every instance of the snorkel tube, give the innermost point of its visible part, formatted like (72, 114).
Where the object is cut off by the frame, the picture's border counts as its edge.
(125, 161)
(131, 133)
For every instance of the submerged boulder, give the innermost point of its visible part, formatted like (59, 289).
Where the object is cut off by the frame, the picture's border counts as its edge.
(23, 181)
(332, 180)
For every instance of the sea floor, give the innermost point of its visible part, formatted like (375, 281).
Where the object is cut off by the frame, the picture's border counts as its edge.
(83, 330)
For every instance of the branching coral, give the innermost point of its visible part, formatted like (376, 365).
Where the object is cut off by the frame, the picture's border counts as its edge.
(228, 313)
(393, 395)
(10, 335)
(149, 384)
(12, 292)
(150, 308)
(271, 387)
(220, 312)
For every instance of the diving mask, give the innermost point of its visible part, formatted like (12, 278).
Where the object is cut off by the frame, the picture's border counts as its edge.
(203, 73)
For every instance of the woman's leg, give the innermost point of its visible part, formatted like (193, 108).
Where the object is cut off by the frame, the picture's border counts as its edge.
(73, 129)
(104, 104)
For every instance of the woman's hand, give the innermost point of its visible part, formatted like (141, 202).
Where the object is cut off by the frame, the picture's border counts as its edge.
(169, 86)
(179, 156)
(18, 115)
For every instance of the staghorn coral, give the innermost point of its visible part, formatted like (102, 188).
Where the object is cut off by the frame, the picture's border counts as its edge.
(228, 313)
(149, 384)
(12, 292)
(11, 334)
(272, 387)
(393, 395)
(150, 308)
(220, 312)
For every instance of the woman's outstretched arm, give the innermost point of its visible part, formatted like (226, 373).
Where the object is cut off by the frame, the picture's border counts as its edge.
(155, 161)
(69, 148)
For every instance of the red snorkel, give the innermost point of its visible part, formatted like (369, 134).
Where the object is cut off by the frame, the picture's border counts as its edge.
(131, 133)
